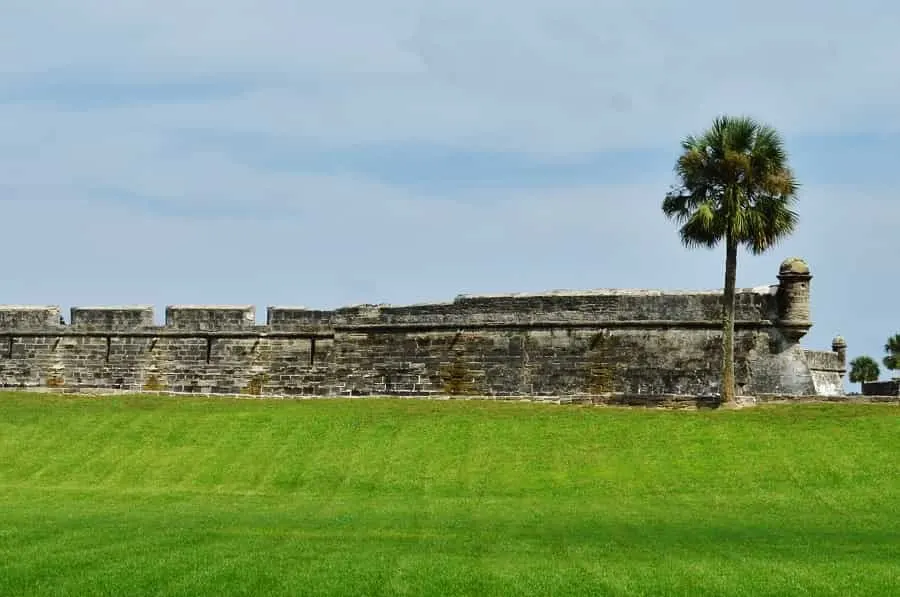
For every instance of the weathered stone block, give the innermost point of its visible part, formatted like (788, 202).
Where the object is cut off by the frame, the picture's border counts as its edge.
(210, 317)
(25, 317)
(112, 318)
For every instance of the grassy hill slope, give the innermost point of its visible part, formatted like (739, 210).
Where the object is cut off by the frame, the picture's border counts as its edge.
(170, 496)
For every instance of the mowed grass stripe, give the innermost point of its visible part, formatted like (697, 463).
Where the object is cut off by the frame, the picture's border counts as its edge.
(168, 496)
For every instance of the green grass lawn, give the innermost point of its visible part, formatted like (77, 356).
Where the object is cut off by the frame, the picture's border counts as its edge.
(132, 496)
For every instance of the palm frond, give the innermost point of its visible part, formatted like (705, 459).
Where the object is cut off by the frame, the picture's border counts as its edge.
(768, 221)
(704, 228)
(740, 134)
(893, 344)
(675, 206)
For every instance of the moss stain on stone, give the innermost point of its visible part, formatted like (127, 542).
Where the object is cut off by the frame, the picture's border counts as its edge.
(601, 366)
(153, 384)
(256, 384)
(456, 378)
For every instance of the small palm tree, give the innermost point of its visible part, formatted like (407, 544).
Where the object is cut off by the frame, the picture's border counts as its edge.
(892, 348)
(735, 187)
(863, 369)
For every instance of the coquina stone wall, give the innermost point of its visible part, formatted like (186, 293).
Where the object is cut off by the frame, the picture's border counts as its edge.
(640, 342)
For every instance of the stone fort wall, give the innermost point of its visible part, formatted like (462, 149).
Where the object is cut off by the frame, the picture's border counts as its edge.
(562, 343)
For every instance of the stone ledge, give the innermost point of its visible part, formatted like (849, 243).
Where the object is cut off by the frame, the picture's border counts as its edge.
(285, 331)
(659, 401)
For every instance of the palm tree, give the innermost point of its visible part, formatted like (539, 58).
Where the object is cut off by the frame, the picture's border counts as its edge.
(863, 369)
(892, 348)
(735, 187)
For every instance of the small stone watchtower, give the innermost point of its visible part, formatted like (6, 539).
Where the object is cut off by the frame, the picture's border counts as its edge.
(839, 346)
(793, 299)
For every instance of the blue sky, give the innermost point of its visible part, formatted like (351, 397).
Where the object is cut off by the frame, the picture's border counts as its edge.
(297, 153)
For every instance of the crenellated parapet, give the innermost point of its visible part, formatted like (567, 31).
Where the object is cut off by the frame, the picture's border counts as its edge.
(563, 309)
(560, 342)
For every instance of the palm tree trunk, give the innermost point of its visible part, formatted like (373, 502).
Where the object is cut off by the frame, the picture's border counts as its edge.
(728, 389)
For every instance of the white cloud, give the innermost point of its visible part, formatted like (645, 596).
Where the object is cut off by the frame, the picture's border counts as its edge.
(543, 76)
